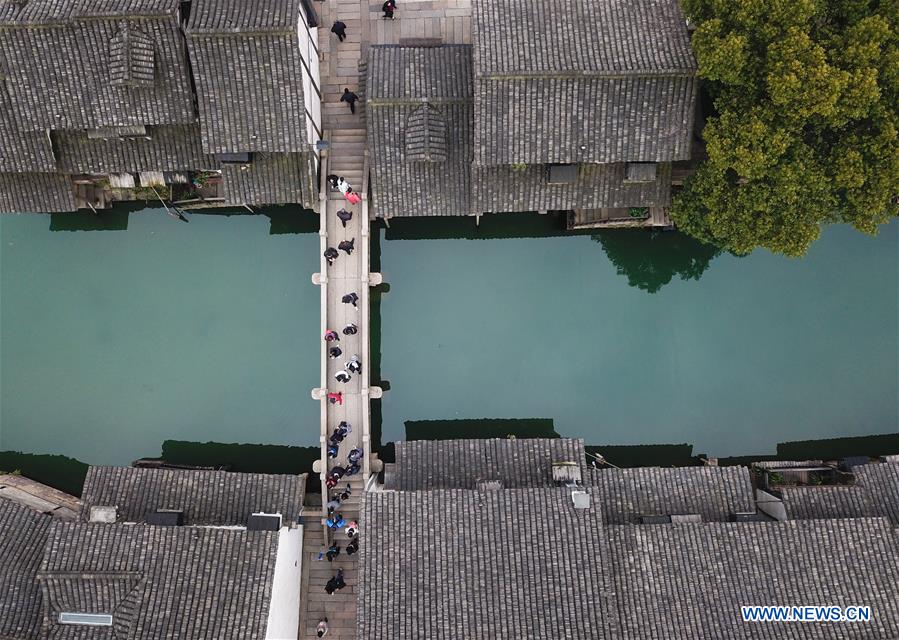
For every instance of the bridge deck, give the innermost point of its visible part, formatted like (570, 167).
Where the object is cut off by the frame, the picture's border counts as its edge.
(449, 20)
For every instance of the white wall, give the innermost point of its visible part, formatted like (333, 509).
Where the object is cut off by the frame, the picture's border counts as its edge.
(308, 46)
(284, 608)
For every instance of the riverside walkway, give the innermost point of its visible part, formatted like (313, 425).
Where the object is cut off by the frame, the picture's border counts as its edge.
(342, 65)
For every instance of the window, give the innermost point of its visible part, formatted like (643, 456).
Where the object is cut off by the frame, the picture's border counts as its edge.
(561, 173)
(426, 135)
(90, 619)
(641, 172)
(132, 60)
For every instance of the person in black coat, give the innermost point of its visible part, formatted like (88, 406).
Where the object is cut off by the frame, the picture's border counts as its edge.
(350, 98)
(347, 245)
(339, 29)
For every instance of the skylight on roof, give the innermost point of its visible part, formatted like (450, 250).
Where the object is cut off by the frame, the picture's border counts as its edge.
(91, 619)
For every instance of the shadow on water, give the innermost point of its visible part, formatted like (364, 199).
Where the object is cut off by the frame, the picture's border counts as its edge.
(245, 458)
(480, 428)
(650, 259)
(283, 219)
(61, 472)
(67, 474)
(286, 219)
(102, 220)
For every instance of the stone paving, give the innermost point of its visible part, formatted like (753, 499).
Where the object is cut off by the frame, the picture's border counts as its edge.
(342, 65)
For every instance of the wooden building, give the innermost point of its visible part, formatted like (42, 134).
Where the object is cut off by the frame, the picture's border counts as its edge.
(102, 93)
(583, 110)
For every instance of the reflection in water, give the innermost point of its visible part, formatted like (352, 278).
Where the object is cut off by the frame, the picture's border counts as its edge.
(650, 260)
(480, 428)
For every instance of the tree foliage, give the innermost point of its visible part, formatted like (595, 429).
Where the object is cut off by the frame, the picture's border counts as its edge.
(806, 129)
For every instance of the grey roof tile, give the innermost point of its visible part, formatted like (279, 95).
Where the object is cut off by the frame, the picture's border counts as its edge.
(159, 582)
(712, 492)
(581, 81)
(36, 193)
(689, 580)
(875, 493)
(249, 84)
(23, 533)
(272, 178)
(509, 189)
(423, 465)
(464, 564)
(523, 563)
(62, 76)
(170, 148)
(406, 181)
(398, 74)
(206, 497)
(239, 16)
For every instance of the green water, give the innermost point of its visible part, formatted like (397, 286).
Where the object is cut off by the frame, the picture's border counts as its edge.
(113, 341)
(742, 354)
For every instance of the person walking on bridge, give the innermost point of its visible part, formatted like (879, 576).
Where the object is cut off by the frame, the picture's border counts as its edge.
(339, 29)
(344, 216)
(354, 365)
(351, 298)
(334, 353)
(339, 581)
(350, 330)
(336, 398)
(322, 630)
(331, 336)
(347, 245)
(388, 8)
(330, 255)
(350, 98)
(342, 376)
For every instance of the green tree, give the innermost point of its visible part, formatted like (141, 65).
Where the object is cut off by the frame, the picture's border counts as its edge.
(805, 129)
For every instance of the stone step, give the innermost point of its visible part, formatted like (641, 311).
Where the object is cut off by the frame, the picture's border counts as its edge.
(348, 136)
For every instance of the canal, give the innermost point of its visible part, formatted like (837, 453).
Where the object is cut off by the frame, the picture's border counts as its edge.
(628, 337)
(114, 341)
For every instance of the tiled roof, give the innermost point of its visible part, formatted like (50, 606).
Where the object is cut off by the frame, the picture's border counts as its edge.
(712, 492)
(422, 465)
(63, 77)
(516, 563)
(36, 193)
(23, 151)
(689, 580)
(446, 565)
(506, 188)
(46, 12)
(170, 148)
(240, 16)
(158, 582)
(580, 37)
(206, 497)
(23, 533)
(406, 180)
(272, 178)
(581, 81)
(404, 187)
(408, 74)
(875, 493)
(249, 86)
(566, 120)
